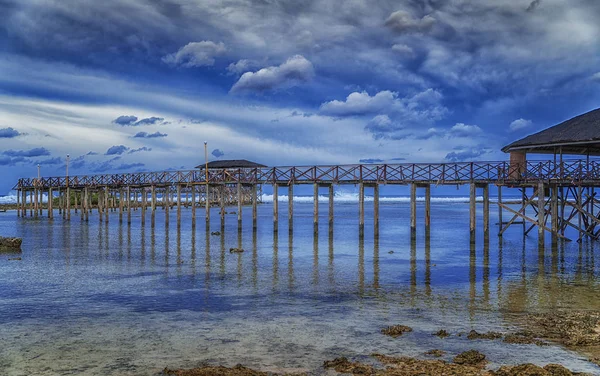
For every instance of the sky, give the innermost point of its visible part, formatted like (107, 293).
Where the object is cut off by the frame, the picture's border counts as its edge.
(140, 85)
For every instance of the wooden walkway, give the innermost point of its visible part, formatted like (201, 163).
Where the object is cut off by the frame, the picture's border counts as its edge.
(562, 193)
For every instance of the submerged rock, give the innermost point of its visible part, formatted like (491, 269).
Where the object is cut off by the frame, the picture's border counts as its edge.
(236, 250)
(522, 370)
(396, 330)
(470, 358)
(216, 233)
(14, 259)
(522, 338)
(437, 353)
(238, 370)
(489, 335)
(442, 333)
(343, 365)
(10, 243)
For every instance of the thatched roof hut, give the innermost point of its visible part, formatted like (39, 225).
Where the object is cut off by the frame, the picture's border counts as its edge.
(230, 164)
(579, 136)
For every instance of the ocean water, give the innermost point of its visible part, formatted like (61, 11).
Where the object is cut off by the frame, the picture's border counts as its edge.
(112, 299)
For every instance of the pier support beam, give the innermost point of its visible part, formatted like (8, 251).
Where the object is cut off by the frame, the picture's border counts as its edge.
(315, 208)
(254, 207)
(554, 211)
(193, 192)
(486, 211)
(361, 209)
(376, 210)
(68, 203)
(144, 204)
(413, 210)
(120, 205)
(166, 204)
(500, 221)
(472, 210)
(179, 205)
(153, 206)
(207, 205)
(106, 204)
(50, 203)
(427, 209)
(275, 207)
(128, 205)
(331, 194)
(541, 211)
(290, 207)
(239, 204)
(88, 203)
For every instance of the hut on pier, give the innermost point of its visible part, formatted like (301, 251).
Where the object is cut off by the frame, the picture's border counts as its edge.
(228, 193)
(577, 136)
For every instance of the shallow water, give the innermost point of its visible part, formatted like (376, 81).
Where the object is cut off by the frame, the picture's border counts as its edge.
(96, 298)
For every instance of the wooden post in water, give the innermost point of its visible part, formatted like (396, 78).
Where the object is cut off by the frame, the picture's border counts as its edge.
(376, 210)
(413, 210)
(361, 209)
(82, 204)
(100, 206)
(50, 210)
(68, 203)
(500, 221)
(88, 203)
(179, 205)
(120, 205)
(427, 210)
(331, 195)
(254, 208)
(23, 203)
(35, 202)
(554, 211)
(193, 192)
(541, 211)
(144, 204)
(128, 194)
(486, 211)
(472, 210)
(315, 208)
(166, 204)
(153, 206)
(580, 206)
(75, 201)
(106, 202)
(19, 203)
(207, 206)
(239, 205)
(290, 207)
(275, 207)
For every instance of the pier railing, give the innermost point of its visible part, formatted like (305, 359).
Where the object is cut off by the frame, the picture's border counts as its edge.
(569, 172)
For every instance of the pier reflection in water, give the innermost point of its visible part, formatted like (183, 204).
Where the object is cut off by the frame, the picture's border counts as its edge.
(151, 297)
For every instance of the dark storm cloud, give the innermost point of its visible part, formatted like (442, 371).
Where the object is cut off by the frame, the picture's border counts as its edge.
(139, 150)
(35, 152)
(50, 161)
(116, 150)
(150, 135)
(534, 4)
(465, 154)
(125, 120)
(9, 133)
(10, 161)
(371, 160)
(128, 166)
(149, 121)
(217, 153)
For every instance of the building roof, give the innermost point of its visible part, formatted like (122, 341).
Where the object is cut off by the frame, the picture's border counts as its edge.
(231, 163)
(579, 135)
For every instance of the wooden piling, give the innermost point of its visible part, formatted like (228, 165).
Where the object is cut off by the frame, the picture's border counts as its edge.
(24, 203)
(106, 201)
(88, 203)
(541, 211)
(178, 205)
(331, 195)
(68, 203)
(144, 204)
(316, 207)
(275, 207)
(376, 209)
(254, 207)
(18, 203)
(166, 204)
(473, 210)
(361, 208)
(427, 209)
(500, 221)
(153, 206)
(486, 211)
(128, 194)
(554, 211)
(193, 192)
(76, 204)
(207, 204)
(290, 207)
(413, 209)
(50, 203)
(121, 205)
(239, 205)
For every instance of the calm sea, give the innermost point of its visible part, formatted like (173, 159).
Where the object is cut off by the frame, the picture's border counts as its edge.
(109, 299)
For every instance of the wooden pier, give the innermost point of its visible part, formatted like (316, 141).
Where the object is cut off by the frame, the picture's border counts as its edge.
(556, 195)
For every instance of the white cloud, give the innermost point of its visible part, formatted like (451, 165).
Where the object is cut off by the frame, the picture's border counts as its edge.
(403, 50)
(596, 76)
(520, 124)
(359, 104)
(242, 66)
(464, 130)
(403, 22)
(295, 70)
(196, 54)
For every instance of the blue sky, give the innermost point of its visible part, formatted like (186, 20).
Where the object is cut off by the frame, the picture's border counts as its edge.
(123, 85)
